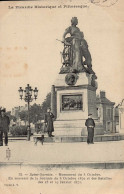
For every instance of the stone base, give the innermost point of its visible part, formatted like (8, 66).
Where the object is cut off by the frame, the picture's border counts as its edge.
(68, 127)
(97, 138)
(75, 128)
(73, 103)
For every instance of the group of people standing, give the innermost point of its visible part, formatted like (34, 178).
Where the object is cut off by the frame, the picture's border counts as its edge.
(48, 119)
(90, 124)
(4, 127)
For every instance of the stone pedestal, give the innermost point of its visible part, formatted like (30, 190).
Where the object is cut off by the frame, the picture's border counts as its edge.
(73, 103)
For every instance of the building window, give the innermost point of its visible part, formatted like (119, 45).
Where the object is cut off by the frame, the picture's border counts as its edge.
(72, 102)
(99, 112)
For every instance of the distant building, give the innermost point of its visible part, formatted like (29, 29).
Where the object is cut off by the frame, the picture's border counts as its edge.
(116, 119)
(105, 112)
(121, 116)
(15, 111)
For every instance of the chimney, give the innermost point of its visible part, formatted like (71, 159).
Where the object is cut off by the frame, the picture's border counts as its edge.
(102, 94)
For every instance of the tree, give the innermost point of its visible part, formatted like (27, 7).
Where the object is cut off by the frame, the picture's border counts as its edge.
(46, 104)
(36, 111)
(23, 115)
(11, 117)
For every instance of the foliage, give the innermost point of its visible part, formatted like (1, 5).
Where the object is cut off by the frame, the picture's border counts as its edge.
(23, 115)
(11, 117)
(18, 130)
(46, 104)
(36, 111)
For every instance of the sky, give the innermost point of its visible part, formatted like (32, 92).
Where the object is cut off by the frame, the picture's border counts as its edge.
(30, 53)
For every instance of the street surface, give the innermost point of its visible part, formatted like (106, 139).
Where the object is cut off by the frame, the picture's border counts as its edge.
(24, 172)
(52, 153)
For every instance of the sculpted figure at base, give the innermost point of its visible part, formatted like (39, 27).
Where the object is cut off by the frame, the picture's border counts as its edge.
(75, 49)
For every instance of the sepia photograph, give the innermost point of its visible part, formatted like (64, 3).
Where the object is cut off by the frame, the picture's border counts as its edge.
(61, 97)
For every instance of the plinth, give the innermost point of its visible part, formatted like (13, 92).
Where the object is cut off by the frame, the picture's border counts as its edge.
(73, 97)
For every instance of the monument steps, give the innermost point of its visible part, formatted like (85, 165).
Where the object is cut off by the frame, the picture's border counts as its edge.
(71, 139)
(97, 138)
(75, 127)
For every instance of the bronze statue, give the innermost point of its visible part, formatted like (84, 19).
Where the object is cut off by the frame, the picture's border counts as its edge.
(75, 49)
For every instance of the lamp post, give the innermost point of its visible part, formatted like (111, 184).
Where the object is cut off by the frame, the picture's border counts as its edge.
(28, 98)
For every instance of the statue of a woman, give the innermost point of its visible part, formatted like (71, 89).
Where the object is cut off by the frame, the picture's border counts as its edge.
(79, 47)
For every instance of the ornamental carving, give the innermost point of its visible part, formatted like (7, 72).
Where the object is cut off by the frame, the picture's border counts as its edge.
(71, 79)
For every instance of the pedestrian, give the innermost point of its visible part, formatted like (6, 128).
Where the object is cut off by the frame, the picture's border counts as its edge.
(90, 128)
(49, 122)
(4, 127)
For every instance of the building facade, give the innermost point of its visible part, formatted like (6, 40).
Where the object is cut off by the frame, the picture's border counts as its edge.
(105, 112)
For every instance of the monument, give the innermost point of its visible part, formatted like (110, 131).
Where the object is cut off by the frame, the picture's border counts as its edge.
(73, 96)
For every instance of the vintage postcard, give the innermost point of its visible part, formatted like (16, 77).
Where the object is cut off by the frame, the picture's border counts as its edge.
(61, 97)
